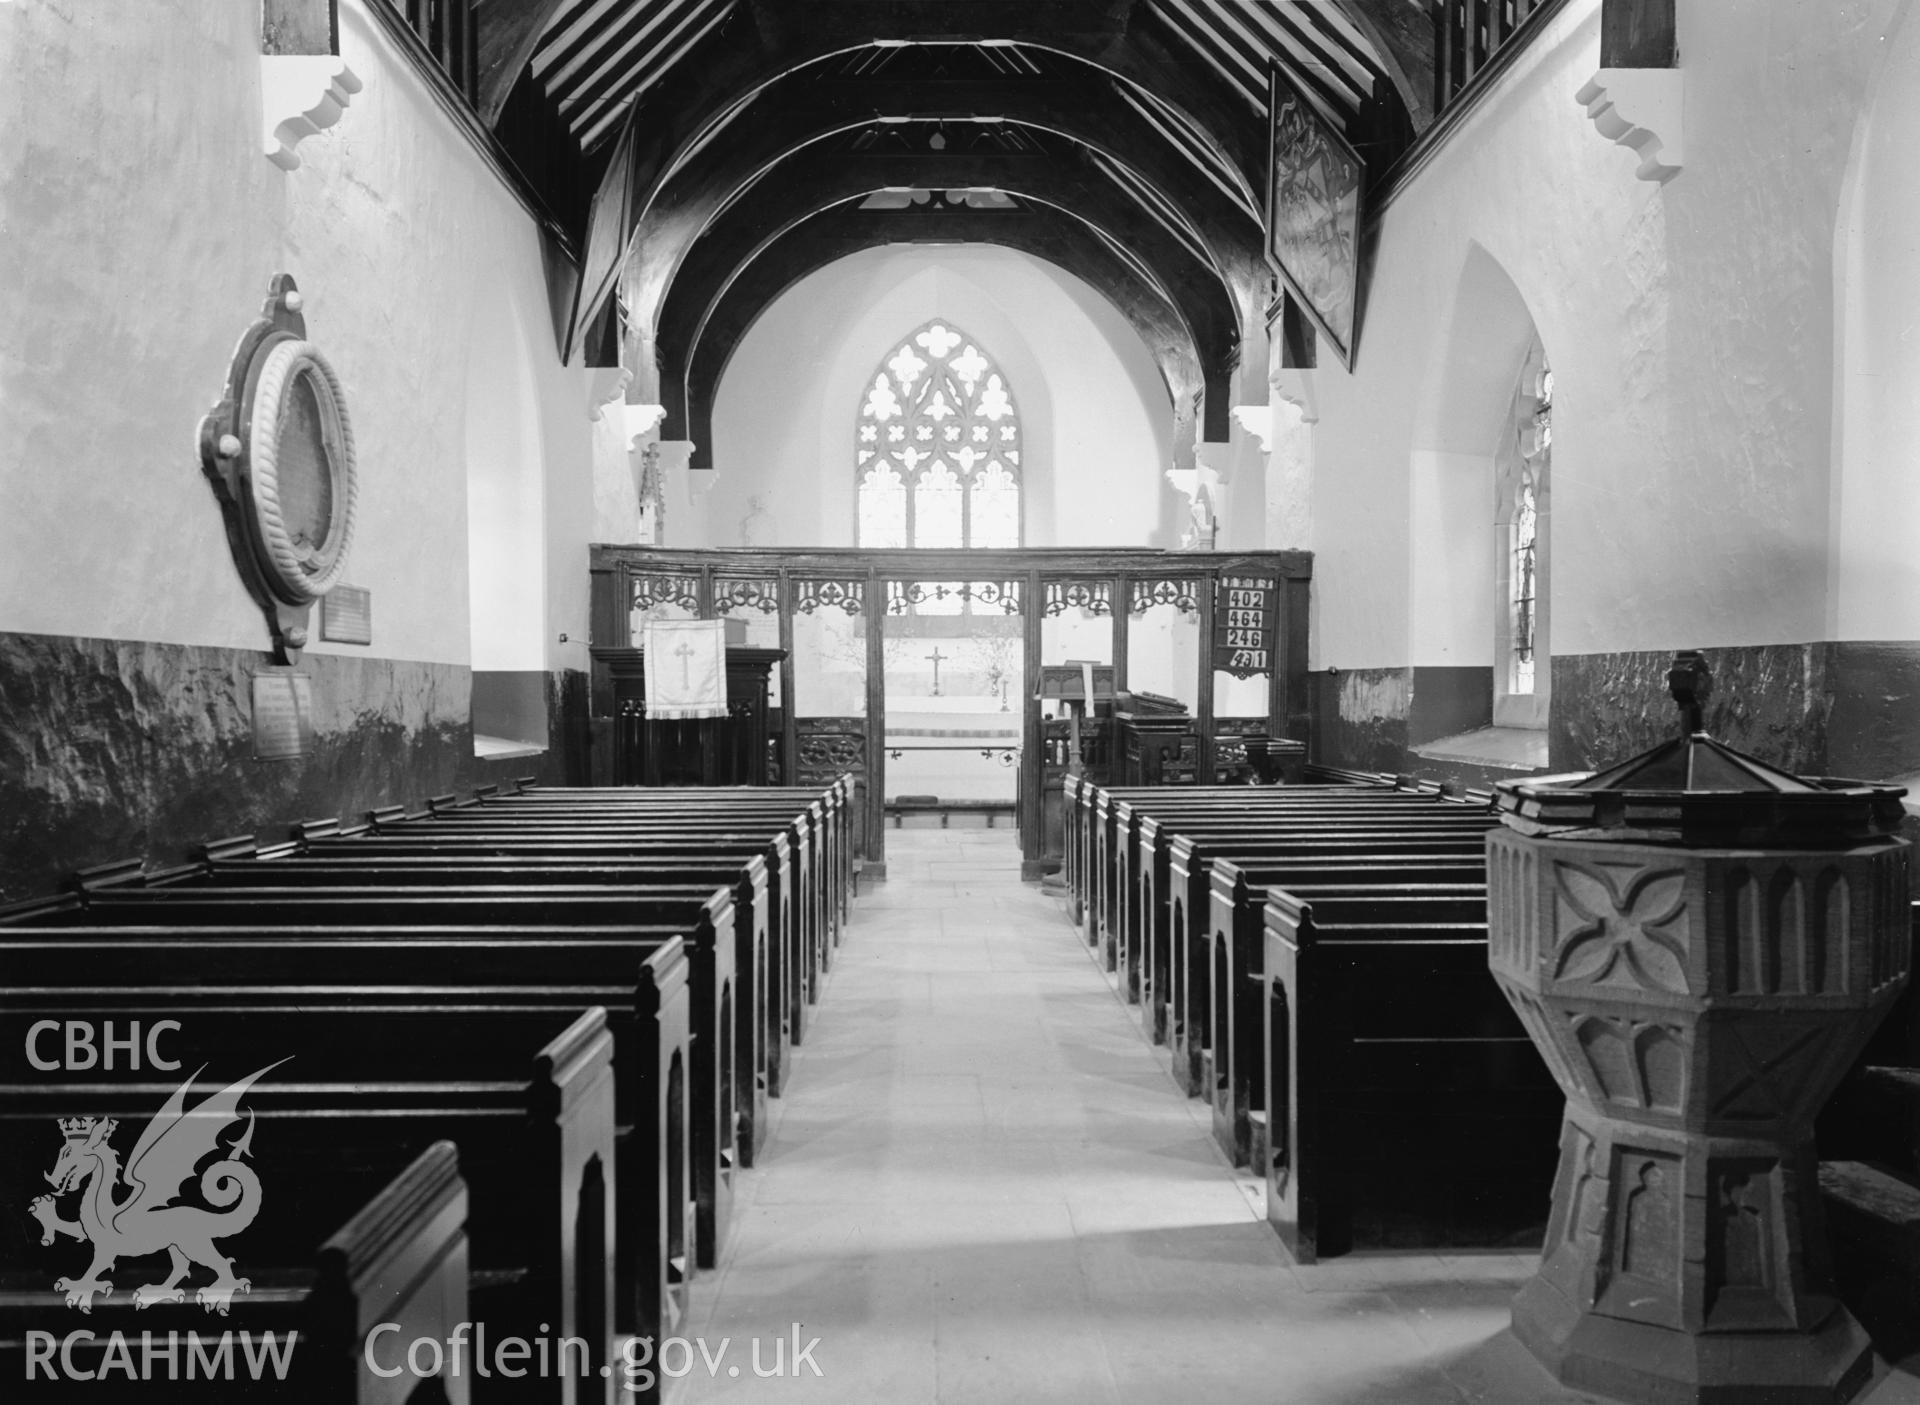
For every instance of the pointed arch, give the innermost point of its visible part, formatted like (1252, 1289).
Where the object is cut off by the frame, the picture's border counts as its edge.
(937, 447)
(1480, 458)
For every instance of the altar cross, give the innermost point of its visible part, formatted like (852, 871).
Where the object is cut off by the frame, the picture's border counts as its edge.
(684, 653)
(935, 657)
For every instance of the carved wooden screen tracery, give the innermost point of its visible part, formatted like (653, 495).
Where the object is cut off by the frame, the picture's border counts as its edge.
(760, 593)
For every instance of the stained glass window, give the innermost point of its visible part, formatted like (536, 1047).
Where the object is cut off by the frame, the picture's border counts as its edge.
(1525, 540)
(1523, 531)
(937, 447)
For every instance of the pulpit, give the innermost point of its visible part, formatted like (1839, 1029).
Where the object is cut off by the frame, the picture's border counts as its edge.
(730, 750)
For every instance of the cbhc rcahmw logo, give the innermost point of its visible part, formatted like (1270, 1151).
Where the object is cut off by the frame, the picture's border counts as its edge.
(145, 1220)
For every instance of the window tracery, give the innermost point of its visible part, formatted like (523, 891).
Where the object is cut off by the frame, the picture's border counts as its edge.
(937, 447)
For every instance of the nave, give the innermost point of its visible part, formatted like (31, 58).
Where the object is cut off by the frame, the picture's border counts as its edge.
(983, 1186)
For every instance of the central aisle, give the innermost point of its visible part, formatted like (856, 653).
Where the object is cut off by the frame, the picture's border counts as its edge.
(982, 1186)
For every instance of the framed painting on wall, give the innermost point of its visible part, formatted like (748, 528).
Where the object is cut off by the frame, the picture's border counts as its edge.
(1313, 213)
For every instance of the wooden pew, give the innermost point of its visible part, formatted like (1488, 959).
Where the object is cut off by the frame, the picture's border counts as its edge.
(703, 916)
(1175, 886)
(759, 1031)
(534, 1123)
(1119, 851)
(401, 1258)
(1398, 1079)
(821, 820)
(1100, 805)
(800, 962)
(470, 984)
(1230, 959)
(1181, 905)
(1157, 888)
(835, 818)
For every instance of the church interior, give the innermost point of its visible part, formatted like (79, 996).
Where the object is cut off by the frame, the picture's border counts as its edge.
(1243, 675)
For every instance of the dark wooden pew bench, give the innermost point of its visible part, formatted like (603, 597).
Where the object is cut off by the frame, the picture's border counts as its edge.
(1405, 1103)
(810, 827)
(1180, 897)
(535, 1128)
(759, 1036)
(459, 992)
(1231, 961)
(401, 1258)
(1140, 834)
(1177, 887)
(703, 916)
(829, 811)
(802, 960)
(1109, 813)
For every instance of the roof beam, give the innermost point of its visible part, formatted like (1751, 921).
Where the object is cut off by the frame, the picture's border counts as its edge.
(808, 184)
(1402, 37)
(796, 116)
(508, 31)
(835, 234)
(743, 59)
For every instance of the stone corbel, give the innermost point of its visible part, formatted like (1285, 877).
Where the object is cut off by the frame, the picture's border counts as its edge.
(605, 384)
(301, 94)
(1202, 487)
(1256, 420)
(676, 457)
(643, 420)
(1294, 386)
(1640, 109)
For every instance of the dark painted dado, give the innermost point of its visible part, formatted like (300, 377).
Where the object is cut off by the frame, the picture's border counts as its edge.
(111, 749)
(1448, 701)
(1360, 718)
(1841, 709)
(1770, 700)
(1874, 729)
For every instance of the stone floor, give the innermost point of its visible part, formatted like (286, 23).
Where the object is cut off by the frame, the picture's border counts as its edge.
(983, 1186)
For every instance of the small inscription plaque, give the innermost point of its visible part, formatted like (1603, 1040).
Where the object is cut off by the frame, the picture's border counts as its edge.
(282, 716)
(346, 615)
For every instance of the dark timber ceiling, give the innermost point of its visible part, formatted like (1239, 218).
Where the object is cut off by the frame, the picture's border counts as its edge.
(739, 144)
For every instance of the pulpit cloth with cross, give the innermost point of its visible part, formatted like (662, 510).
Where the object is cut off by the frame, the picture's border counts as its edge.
(686, 668)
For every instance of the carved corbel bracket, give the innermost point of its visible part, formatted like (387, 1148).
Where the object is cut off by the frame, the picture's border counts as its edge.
(642, 420)
(301, 94)
(1202, 488)
(1294, 385)
(1256, 420)
(1642, 110)
(605, 384)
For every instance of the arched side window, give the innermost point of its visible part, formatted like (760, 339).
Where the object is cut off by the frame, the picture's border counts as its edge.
(1521, 676)
(937, 447)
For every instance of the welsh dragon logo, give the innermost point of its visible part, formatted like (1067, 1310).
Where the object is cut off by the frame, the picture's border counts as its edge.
(145, 1220)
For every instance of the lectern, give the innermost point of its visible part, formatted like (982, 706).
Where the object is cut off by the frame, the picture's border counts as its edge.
(730, 750)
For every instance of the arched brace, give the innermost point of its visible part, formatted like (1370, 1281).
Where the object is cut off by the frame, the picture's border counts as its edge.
(801, 188)
(836, 234)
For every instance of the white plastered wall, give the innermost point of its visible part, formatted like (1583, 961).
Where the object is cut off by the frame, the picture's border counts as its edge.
(141, 221)
(1095, 416)
(1875, 523)
(1690, 328)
